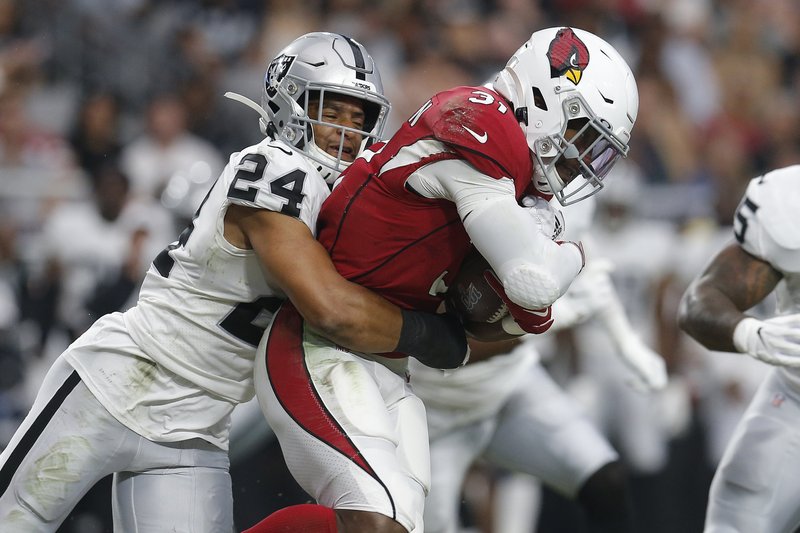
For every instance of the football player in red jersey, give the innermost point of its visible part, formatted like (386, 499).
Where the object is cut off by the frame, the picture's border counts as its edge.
(553, 123)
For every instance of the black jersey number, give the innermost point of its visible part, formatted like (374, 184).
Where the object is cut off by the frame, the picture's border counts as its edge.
(251, 168)
(289, 186)
(746, 210)
(248, 320)
(164, 261)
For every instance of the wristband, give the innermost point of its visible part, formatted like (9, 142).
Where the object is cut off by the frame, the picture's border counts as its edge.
(743, 332)
(438, 341)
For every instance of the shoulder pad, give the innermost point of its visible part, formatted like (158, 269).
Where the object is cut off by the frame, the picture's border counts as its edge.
(273, 176)
(767, 218)
(479, 125)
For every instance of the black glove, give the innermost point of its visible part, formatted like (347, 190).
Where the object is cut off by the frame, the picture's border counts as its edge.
(436, 340)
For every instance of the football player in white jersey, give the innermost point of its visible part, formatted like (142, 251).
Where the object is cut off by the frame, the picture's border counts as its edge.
(642, 251)
(147, 395)
(755, 487)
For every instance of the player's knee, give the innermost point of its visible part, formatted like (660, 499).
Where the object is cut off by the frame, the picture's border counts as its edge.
(365, 521)
(29, 514)
(606, 491)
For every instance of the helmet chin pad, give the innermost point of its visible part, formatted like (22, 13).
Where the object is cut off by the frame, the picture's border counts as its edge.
(546, 179)
(328, 166)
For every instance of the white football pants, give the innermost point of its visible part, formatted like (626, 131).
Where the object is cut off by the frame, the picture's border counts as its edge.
(68, 442)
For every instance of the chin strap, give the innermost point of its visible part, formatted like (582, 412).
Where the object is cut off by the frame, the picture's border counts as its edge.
(249, 103)
(265, 118)
(264, 122)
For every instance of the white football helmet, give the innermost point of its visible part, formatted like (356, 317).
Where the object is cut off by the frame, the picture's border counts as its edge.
(568, 79)
(309, 69)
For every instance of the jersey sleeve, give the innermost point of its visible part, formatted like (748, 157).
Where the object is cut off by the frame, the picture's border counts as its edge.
(479, 125)
(767, 217)
(272, 176)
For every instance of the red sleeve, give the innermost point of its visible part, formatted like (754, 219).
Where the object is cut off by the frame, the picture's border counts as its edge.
(480, 126)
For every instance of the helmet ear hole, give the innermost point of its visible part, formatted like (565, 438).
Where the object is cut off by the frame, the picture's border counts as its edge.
(538, 98)
(521, 114)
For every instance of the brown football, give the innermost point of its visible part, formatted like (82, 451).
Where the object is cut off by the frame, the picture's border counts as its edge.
(475, 302)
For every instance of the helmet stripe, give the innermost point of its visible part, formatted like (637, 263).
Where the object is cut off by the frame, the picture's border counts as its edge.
(358, 57)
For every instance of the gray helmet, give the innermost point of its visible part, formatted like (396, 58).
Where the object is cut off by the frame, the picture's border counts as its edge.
(316, 65)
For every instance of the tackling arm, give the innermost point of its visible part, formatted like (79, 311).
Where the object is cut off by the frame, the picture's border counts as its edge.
(344, 312)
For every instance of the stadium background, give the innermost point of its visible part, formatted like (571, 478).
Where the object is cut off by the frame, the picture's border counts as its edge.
(92, 89)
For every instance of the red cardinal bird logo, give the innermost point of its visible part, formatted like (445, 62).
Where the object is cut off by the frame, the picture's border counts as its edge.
(568, 56)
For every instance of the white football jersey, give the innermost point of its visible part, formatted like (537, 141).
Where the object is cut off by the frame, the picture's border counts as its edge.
(765, 225)
(476, 391)
(205, 303)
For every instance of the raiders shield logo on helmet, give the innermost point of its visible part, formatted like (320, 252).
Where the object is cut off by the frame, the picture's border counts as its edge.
(568, 56)
(275, 73)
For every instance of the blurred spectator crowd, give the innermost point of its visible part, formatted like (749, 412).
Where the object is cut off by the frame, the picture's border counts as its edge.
(113, 123)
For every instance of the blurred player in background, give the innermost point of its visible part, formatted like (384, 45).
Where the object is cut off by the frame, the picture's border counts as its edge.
(754, 489)
(401, 221)
(723, 385)
(642, 251)
(147, 395)
(503, 406)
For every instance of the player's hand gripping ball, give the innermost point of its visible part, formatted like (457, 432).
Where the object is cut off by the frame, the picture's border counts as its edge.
(472, 298)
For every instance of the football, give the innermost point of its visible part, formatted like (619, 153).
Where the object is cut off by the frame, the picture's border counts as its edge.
(471, 298)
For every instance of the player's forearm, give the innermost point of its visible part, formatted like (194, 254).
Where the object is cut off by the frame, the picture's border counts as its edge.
(365, 322)
(717, 301)
(709, 316)
(359, 320)
(534, 270)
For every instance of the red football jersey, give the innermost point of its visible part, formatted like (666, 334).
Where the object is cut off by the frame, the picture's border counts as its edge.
(388, 238)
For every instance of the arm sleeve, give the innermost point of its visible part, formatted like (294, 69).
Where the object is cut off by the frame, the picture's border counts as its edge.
(533, 269)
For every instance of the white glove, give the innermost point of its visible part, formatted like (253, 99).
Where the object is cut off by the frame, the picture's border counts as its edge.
(549, 220)
(775, 341)
(648, 369)
(587, 295)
